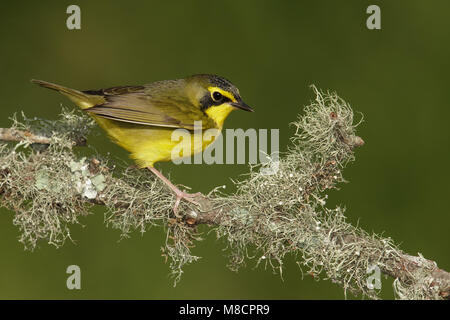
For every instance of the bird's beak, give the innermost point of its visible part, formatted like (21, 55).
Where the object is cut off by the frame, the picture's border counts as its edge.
(242, 105)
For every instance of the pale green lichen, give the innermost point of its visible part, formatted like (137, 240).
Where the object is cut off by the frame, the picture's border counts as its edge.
(86, 183)
(42, 180)
(37, 184)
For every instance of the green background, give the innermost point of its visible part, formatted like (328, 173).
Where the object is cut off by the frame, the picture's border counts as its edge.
(272, 50)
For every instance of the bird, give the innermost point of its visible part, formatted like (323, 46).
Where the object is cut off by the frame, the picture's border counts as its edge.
(142, 118)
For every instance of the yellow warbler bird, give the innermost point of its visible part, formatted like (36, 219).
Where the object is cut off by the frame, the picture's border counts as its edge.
(141, 119)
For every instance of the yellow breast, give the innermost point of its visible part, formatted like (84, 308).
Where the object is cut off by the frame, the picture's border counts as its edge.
(149, 145)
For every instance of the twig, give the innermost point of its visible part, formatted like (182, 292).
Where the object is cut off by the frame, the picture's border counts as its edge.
(14, 135)
(9, 134)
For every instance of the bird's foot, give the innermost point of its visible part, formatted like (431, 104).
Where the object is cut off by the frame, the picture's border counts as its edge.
(181, 195)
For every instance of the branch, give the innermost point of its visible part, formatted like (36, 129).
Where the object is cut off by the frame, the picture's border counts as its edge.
(69, 127)
(279, 209)
(9, 134)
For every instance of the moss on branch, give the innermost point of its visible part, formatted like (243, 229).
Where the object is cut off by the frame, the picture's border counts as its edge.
(279, 208)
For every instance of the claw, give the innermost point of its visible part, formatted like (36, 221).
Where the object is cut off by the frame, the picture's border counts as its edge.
(180, 195)
(184, 196)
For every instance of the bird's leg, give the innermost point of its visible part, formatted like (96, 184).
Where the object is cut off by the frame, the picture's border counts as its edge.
(179, 194)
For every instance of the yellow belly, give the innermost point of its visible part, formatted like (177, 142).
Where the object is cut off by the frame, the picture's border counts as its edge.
(147, 144)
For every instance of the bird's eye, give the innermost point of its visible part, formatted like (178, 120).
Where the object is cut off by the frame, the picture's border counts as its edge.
(217, 96)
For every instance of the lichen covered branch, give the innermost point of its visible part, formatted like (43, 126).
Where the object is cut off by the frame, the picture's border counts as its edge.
(279, 208)
(8, 134)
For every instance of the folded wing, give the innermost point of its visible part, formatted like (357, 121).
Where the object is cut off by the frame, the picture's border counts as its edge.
(158, 104)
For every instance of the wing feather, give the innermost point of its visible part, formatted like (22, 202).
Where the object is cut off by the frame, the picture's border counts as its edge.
(161, 104)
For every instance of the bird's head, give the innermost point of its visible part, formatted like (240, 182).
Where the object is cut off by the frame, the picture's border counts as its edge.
(216, 96)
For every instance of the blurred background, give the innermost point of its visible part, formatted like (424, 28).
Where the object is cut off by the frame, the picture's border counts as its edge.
(272, 50)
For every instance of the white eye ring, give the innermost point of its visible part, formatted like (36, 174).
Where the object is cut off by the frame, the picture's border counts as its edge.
(216, 96)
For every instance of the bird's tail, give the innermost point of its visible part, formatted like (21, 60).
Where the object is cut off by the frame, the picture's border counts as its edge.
(81, 99)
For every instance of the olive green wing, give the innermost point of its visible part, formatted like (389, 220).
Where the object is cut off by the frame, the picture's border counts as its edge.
(161, 104)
